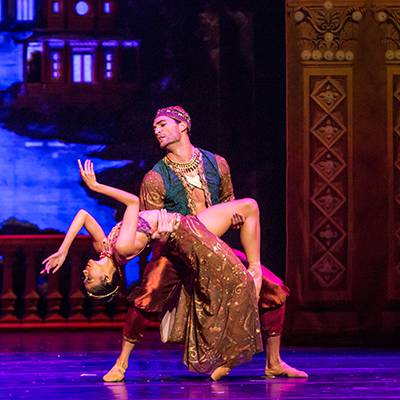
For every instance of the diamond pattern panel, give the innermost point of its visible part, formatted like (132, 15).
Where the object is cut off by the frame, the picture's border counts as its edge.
(328, 111)
(328, 165)
(328, 130)
(328, 234)
(328, 270)
(328, 94)
(328, 200)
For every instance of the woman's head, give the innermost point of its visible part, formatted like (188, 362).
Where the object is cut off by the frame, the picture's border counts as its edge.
(102, 278)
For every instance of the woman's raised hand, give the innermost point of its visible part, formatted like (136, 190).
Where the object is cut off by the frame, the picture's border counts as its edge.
(87, 174)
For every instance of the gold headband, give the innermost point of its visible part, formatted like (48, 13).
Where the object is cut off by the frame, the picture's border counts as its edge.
(103, 296)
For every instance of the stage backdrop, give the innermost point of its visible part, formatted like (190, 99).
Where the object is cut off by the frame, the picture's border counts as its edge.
(343, 186)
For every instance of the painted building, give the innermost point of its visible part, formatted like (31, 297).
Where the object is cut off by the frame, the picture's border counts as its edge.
(78, 51)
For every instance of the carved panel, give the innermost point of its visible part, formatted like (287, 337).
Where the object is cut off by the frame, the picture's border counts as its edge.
(394, 182)
(327, 134)
(388, 17)
(327, 30)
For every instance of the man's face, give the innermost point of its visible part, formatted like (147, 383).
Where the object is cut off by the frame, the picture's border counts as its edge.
(167, 131)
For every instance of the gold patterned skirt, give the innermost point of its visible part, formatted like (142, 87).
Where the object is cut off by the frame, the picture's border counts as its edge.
(217, 314)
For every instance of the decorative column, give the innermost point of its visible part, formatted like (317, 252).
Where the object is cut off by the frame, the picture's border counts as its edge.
(76, 297)
(7, 296)
(320, 160)
(387, 16)
(31, 297)
(53, 299)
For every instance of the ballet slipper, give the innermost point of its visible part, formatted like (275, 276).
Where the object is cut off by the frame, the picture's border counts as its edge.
(219, 373)
(115, 374)
(284, 370)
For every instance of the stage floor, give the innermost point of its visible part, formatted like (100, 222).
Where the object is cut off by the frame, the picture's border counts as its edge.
(70, 366)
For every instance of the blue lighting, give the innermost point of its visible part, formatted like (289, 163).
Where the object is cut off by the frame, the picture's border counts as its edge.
(82, 68)
(130, 43)
(40, 181)
(107, 7)
(56, 7)
(11, 65)
(110, 43)
(25, 10)
(81, 8)
(55, 43)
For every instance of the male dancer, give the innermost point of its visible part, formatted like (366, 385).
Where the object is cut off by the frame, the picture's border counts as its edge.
(187, 180)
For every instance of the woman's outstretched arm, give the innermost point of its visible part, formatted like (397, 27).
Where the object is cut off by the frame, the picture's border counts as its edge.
(81, 219)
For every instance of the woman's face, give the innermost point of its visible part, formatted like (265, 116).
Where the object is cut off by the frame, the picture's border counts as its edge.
(96, 273)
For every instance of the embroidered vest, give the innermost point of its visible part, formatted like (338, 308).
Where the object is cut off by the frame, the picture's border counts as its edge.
(175, 196)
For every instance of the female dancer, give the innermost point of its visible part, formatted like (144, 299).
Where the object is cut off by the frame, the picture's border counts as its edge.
(222, 327)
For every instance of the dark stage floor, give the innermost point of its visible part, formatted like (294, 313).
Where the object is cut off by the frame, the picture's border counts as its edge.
(70, 366)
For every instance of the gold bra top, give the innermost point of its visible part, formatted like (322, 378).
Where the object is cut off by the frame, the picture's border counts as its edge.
(109, 242)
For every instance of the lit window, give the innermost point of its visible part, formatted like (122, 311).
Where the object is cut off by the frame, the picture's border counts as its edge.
(82, 69)
(55, 57)
(109, 61)
(130, 43)
(55, 7)
(34, 62)
(82, 8)
(32, 48)
(25, 10)
(107, 7)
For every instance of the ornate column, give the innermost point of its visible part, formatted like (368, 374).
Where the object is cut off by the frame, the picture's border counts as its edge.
(76, 296)
(387, 16)
(7, 296)
(53, 299)
(321, 52)
(31, 297)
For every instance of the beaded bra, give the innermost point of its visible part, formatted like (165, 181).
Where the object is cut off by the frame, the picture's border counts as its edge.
(109, 242)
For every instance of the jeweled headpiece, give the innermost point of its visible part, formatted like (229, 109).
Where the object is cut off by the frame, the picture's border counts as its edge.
(177, 113)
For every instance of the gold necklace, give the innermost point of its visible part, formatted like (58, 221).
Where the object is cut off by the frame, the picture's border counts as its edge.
(187, 167)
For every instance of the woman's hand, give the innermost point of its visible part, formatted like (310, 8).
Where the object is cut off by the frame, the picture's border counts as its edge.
(165, 226)
(53, 262)
(87, 174)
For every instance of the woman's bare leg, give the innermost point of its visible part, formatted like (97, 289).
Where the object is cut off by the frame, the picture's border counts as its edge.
(117, 372)
(217, 220)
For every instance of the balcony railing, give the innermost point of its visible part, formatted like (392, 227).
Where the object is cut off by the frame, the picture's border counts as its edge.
(31, 300)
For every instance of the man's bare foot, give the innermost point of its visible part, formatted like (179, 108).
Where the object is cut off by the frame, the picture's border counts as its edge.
(283, 369)
(219, 373)
(115, 374)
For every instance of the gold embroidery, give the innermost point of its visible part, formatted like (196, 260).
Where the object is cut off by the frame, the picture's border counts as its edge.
(152, 192)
